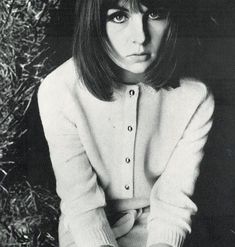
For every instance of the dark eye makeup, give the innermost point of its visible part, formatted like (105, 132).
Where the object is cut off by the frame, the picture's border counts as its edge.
(120, 16)
(117, 17)
(157, 14)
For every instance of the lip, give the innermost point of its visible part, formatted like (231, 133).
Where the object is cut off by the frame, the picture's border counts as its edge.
(139, 57)
(138, 54)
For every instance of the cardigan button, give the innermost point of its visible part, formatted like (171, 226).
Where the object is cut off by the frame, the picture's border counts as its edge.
(127, 187)
(131, 92)
(128, 160)
(129, 128)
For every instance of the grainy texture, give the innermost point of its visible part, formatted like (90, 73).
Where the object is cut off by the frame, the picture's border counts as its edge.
(26, 212)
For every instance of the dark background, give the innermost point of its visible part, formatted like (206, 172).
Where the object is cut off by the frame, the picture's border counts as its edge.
(215, 191)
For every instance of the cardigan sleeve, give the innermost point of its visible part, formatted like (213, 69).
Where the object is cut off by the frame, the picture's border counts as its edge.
(170, 205)
(82, 199)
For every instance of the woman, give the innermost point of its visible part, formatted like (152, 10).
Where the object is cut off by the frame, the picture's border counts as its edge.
(125, 130)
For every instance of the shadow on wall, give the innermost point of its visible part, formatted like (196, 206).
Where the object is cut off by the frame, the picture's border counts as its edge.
(215, 192)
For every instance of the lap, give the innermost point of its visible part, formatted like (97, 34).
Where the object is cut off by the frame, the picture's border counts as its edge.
(136, 237)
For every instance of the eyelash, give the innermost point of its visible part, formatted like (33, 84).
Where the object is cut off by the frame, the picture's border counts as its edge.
(117, 14)
(160, 14)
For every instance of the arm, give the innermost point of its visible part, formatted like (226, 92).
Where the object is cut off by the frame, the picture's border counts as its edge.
(170, 205)
(82, 199)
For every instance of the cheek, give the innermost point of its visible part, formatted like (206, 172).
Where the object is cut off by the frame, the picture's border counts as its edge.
(157, 32)
(116, 37)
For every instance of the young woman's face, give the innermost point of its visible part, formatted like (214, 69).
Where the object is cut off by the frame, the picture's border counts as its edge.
(135, 36)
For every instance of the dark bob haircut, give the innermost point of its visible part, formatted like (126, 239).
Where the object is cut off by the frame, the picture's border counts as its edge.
(91, 49)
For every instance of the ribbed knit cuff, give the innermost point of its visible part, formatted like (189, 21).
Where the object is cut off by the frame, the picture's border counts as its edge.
(96, 237)
(92, 230)
(163, 233)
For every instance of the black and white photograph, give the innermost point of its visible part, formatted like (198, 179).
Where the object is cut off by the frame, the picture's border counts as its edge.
(117, 123)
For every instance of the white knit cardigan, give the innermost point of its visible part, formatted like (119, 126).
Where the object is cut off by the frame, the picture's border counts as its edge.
(142, 149)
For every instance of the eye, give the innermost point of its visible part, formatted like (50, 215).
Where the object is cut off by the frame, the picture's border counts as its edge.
(159, 14)
(118, 17)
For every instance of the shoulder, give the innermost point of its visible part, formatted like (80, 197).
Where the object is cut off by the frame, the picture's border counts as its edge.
(181, 103)
(60, 82)
(191, 93)
(194, 89)
(198, 93)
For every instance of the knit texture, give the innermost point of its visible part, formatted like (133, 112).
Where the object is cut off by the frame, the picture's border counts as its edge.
(142, 149)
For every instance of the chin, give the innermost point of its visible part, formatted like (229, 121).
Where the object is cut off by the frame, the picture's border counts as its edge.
(137, 68)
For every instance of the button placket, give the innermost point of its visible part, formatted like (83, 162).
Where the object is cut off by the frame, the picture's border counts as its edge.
(130, 114)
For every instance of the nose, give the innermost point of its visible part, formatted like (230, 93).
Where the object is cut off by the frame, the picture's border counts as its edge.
(138, 32)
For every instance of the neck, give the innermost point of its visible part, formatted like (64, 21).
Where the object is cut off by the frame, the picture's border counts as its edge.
(132, 78)
(128, 77)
